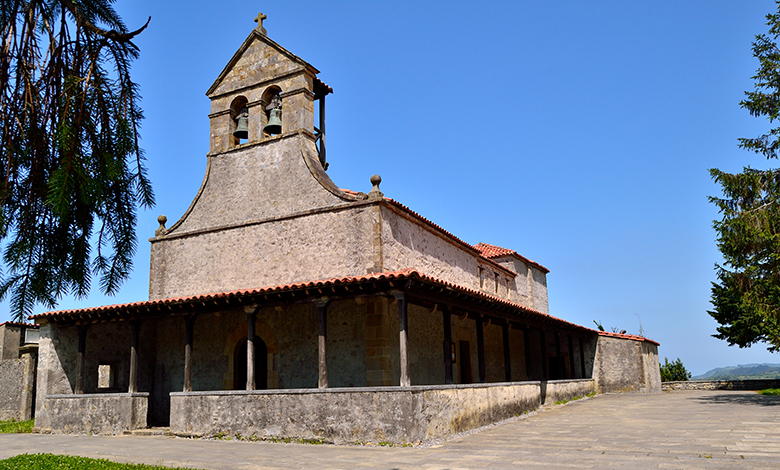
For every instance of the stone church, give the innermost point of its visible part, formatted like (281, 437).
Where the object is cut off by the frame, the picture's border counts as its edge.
(281, 305)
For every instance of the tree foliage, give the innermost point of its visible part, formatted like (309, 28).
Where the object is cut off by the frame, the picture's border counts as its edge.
(746, 295)
(674, 371)
(71, 169)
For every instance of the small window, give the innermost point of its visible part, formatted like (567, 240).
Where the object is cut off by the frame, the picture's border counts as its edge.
(495, 275)
(481, 277)
(105, 377)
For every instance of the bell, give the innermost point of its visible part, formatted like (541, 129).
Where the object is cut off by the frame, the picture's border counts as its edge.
(274, 125)
(242, 127)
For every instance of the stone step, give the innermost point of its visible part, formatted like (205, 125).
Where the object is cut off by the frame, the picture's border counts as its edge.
(155, 431)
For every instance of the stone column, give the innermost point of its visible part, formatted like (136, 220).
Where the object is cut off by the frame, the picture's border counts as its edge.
(400, 299)
(189, 327)
(250, 349)
(447, 322)
(507, 353)
(322, 340)
(81, 360)
(136, 332)
(582, 358)
(480, 348)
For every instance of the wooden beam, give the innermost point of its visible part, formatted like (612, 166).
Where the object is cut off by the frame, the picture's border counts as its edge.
(403, 326)
(81, 360)
(507, 353)
(250, 349)
(447, 324)
(135, 327)
(189, 327)
(322, 340)
(573, 374)
(480, 349)
(545, 359)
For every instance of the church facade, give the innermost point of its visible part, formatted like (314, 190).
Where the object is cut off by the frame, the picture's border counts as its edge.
(281, 305)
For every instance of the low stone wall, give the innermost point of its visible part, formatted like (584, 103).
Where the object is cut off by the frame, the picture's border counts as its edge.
(752, 384)
(558, 390)
(99, 413)
(11, 372)
(373, 414)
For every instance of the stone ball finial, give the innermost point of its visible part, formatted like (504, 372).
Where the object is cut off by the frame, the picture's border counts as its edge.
(162, 220)
(375, 193)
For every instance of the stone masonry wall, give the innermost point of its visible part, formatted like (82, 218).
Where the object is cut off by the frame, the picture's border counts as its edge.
(623, 365)
(398, 415)
(112, 413)
(11, 372)
(752, 384)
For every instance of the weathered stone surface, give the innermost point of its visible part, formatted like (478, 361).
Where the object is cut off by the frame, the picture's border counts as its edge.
(623, 365)
(11, 372)
(750, 384)
(10, 339)
(557, 390)
(100, 413)
(410, 414)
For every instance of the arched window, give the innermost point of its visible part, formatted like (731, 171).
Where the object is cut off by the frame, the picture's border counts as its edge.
(239, 365)
(239, 121)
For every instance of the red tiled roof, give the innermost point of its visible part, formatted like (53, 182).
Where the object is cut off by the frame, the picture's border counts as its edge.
(21, 325)
(494, 251)
(319, 284)
(392, 275)
(627, 336)
(234, 293)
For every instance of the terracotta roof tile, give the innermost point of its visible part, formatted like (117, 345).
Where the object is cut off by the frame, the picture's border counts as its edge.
(18, 324)
(495, 251)
(627, 336)
(336, 281)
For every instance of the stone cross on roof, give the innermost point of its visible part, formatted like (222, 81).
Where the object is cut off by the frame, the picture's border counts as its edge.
(259, 21)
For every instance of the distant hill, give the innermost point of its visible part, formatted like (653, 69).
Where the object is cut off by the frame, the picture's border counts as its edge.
(743, 371)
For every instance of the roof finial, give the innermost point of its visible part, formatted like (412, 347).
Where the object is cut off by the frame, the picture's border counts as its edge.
(259, 21)
(375, 192)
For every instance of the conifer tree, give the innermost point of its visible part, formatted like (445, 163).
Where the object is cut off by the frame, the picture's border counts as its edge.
(71, 170)
(746, 296)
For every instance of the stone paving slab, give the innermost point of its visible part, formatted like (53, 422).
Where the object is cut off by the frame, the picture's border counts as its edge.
(671, 430)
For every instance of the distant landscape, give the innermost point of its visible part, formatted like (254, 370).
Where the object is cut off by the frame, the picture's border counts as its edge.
(743, 371)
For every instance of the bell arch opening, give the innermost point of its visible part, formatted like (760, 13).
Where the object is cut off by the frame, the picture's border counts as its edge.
(239, 121)
(272, 111)
(239, 365)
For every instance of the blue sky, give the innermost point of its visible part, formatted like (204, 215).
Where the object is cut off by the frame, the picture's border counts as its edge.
(578, 133)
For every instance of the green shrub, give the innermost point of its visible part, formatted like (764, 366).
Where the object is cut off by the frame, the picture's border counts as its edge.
(674, 371)
(15, 427)
(770, 391)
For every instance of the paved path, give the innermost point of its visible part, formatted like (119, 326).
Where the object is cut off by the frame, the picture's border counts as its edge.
(718, 429)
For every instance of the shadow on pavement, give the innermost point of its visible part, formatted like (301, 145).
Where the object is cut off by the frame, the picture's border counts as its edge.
(746, 398)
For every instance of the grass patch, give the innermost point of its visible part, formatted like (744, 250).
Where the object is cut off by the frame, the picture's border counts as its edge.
(16, 427)
(770, 391)
(578, 397)
(223, 436)
(63, 462)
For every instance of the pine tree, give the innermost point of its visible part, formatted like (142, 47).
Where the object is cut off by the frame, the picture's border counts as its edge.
(746, 296)
(71, 170)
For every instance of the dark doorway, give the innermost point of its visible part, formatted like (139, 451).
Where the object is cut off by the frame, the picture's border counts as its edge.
(465, 362)
(239, 365)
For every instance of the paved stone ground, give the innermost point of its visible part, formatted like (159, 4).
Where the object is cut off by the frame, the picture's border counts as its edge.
(691, 429)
